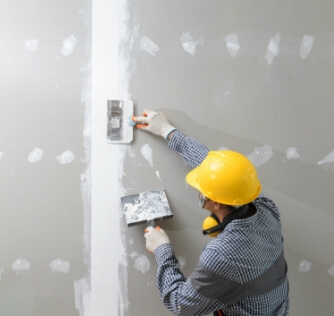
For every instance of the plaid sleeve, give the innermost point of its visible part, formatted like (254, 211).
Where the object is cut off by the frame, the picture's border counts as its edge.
(192, 151)
(176, 291)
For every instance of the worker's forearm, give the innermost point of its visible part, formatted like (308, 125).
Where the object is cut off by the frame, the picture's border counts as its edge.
(190, 149)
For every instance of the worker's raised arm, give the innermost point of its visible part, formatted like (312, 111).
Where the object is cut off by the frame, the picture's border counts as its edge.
(155, 123)
(190, 149)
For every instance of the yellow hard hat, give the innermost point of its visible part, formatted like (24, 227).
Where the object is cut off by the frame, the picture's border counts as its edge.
(227, 177)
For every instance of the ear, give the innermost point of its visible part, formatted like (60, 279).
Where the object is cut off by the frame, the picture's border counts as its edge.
(216, 206)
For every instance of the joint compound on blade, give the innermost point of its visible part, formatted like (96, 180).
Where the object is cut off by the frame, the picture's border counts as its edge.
(146, 206)
(118, 128)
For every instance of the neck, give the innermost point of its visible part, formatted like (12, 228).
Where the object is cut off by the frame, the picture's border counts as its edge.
(227, 210)
(223, 211)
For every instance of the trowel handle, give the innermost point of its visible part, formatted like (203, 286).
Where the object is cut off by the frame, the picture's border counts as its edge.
(152, 224)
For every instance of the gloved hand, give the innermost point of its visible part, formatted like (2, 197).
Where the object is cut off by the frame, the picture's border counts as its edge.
(155, 237)
(155, 123)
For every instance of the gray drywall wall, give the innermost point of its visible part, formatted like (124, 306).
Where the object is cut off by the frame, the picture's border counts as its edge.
(44, 157)
(252, 76)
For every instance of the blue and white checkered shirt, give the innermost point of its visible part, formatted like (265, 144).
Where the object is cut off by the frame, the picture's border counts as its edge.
(240, 272)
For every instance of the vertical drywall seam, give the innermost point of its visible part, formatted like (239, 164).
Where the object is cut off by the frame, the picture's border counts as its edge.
(82, 287)
(109, 81)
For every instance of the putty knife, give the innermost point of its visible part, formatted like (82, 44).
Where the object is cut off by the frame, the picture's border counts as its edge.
(146, 207)
(118, 128)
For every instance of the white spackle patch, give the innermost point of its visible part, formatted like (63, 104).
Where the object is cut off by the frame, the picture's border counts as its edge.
(232, 44)
(182, 262)
(147, 45)
(272, 49)
(292, 153)
(69, 44)
(21, 265)
(304, 266)
(2, 271)
(1, 154)
(147, 153)
(158, 174)
(331, 270)
(189, 44)
(66, 157)
(142, 264)
(327, 159)
(31, 44)
(82, 296)
(306, 46)
(36, 155)
(261, 155)
(59, 265)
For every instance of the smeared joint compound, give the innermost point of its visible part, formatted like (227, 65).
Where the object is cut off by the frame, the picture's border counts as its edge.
(68, 45)
(66, 157)
(329, 158)
(158, 174)
(147, 45)
(20, 265)
(31, 44)
(147, 153)
(232, 44)
(261, 155)
(305, 266)
(291, 153)
(189, 44)
(82, 296)
(142, 264)
(36, 155)
(331, 270)
(134, 254)
(2, 271)
(1, 154)
(306, 46)
(273, 49)
(59, 265)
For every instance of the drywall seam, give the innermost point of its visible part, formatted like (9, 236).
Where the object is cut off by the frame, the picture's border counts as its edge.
(109, 81)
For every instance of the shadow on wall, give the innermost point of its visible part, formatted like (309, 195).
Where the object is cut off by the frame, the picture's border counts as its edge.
(310, 184)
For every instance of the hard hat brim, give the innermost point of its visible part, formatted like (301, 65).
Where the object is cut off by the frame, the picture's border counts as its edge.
(191, 178)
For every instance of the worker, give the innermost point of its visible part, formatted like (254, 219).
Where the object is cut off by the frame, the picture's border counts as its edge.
(242, 270)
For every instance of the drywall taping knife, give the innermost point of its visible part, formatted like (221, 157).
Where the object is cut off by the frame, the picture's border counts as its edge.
(118, 128)
(146, 207)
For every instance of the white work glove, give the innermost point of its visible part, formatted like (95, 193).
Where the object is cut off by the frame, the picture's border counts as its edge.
(155, 237)
(155, 123)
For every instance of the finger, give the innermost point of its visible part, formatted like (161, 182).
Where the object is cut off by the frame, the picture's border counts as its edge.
(148, 229)
(148, 112)
(139, 118)
(142, 126)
